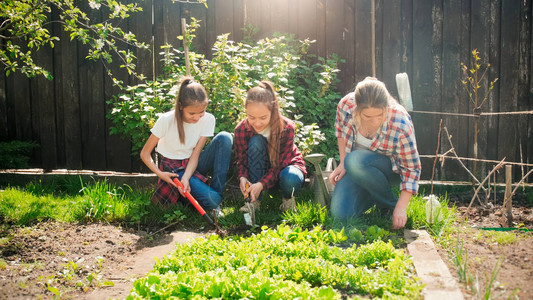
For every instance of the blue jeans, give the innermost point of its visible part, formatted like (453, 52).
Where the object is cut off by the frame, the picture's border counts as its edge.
(214, 158)
(291, 178)
(367, 182)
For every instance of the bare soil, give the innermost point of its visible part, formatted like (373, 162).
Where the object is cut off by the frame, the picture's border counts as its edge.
(49, 256)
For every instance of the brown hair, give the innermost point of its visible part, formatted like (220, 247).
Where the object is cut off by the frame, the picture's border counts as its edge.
(190, 93)
(371, 93)
(265, 94)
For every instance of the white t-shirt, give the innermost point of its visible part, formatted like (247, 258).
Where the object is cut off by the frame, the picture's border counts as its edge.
(166, 129)
(362, 142)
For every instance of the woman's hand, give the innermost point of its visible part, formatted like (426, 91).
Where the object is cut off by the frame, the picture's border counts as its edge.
(399, 216)
(337, 174)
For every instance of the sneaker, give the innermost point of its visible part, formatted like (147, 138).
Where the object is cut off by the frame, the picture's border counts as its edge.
(219, 213)
(254, 205)
(288, 204)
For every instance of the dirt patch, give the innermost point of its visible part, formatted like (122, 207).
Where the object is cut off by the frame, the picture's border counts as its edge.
(95, 261)
(510, 253)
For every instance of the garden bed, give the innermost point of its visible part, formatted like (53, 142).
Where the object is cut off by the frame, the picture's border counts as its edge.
(98, 260)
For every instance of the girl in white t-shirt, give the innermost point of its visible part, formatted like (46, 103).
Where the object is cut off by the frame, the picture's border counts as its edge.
(180, 136)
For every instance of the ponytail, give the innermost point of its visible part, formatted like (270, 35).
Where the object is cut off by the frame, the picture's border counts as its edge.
(190, 93)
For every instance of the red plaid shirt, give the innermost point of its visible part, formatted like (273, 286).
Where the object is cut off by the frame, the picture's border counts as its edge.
(289, 153)
(396, 139)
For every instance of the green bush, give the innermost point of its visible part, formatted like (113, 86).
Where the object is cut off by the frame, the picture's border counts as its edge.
(304, 84)
(15, 154)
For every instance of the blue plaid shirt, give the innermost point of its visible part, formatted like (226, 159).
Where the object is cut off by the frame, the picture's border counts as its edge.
(396, 139)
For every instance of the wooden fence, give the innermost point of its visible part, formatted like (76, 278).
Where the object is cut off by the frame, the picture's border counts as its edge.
(427, 39)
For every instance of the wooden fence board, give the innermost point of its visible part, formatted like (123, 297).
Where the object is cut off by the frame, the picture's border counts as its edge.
(293, 16)
(407, 39)
(320, 26)
(4, 133)
(378, 27)
(224, 17)
(423, 83)
(279, 16)
(166, 28)
(452, 95)
(391, 49)
(493, 73)
(238, 20)
(306, 26)
(335, 32)
(199, 43)
(529, 153)
(510, 28)
(523, 84)
(348, 66)
(480, 13)
(363, 41)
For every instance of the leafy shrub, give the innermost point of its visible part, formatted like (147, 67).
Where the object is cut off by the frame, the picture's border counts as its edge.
(305, 88)
(15, 154)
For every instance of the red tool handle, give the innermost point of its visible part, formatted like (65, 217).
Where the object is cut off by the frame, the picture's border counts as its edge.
(193, 201)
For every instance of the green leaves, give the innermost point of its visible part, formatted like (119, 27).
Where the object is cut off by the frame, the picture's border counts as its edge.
(281, 263)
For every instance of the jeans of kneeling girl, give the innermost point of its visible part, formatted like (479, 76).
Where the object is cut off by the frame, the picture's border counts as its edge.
(214, 158)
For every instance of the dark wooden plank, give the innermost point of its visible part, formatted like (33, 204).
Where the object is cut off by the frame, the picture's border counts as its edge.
(426, 81)
(279, 14)
(493, 73)
(363, 40)
(4, 133)
(407, 39)
(293, 17)
(335, 32)
(252, 14)
(307, 22)
(224, 17)
(479, 40)
(523, 85)
(58, 94)
(378, 15)
(321, 27)
(453, 93)
(238, 20)
(43, 107)
(199, 43)
(265, 30)
(92, 100)
(530, 118)
(68, 101)
(348, 79)
(141, 25)
(510, 29)
(210, 24)
(392, 49)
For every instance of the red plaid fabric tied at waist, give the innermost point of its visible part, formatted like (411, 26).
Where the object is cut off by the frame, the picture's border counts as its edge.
(176, 165)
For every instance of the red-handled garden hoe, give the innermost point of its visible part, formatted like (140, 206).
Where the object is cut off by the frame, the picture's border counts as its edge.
(194, 202)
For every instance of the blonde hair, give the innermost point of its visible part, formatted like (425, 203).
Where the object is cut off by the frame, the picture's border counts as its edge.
(371, 93)
(190, 93)
(265, 94)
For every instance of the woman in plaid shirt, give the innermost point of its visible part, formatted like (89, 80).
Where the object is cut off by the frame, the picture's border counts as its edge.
(265, 151)
(378, 150)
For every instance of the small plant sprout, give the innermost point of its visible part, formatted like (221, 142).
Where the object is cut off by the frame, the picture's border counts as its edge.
(473, 83)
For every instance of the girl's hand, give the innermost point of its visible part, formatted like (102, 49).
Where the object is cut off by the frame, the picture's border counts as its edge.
(186, 186)
(254, 190)
(167, 177)
(242, 185)
(337, 174)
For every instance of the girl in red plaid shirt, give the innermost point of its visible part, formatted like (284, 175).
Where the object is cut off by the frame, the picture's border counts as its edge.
(180, 136)
(378, 150)
(265, 151)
